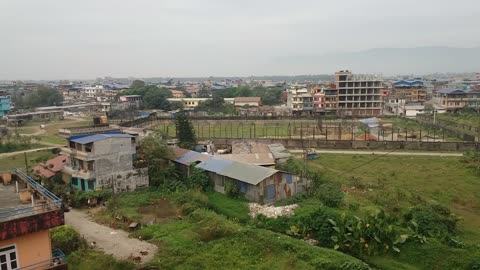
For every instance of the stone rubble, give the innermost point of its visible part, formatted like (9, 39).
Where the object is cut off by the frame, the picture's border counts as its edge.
(271, 211)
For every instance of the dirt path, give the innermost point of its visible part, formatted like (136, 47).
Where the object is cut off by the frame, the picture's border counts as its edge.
(110, 241)
(9, 154)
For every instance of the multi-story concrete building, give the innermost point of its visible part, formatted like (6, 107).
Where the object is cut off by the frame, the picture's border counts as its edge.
(331, 99)
(318, 100)
(4, 104)
(300, 101)
(102, 161)
(92, 91)
(27, 213)
(358, 95)
(411, 91)
(455, 99)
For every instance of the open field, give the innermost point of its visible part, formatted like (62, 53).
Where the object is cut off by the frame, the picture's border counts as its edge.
(18, 161)
(397, 183)
(395, 129)
(470, 119)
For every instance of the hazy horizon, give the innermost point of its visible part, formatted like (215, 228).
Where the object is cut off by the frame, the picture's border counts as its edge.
(53, 39)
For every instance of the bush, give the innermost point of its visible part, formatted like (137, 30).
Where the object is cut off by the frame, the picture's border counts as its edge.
(211, 226)
(199, 179)
(434, 220)
(232, 189)
(190, 200)
(374, 234)
(66, 238)
(80, 198)
(330, 194)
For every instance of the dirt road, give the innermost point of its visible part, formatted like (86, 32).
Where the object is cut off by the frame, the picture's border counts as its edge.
(110, 241)
(398, 153)
(9, 154)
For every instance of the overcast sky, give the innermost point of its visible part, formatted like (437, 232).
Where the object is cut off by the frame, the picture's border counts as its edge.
(60, 39)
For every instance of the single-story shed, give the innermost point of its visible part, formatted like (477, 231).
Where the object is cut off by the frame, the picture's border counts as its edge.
(257, 183)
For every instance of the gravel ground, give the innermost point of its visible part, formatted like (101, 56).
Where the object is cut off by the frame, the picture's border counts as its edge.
(111, 241)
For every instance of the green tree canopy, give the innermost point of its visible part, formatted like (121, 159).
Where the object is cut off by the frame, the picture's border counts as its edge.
(137, 84)
(43, 96)
(185, 131)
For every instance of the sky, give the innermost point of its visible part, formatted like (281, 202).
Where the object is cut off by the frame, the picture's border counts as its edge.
(61, 39)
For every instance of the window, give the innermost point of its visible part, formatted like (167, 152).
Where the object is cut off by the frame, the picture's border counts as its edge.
(8, 258)
(91, 185)
(74, 181)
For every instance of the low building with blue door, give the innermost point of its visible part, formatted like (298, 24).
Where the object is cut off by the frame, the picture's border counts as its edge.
(4, 104)
(103, 161)
(256, 183)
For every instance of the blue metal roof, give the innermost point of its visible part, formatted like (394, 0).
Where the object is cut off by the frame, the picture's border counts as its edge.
(457, 91)
(404, 83)
(97, 137)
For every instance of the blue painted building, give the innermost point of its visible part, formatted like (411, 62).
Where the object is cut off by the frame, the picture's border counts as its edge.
(4, 105)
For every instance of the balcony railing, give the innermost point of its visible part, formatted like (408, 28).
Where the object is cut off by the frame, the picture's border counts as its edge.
(51, 202)
(58, 261)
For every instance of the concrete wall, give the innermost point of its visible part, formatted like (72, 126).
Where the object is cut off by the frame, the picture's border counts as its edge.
(124, 180)
(365, 145)
(113, 155)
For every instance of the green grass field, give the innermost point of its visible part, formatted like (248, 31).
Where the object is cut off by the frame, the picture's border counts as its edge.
(468, 119)
(18, 161)
(397, 183)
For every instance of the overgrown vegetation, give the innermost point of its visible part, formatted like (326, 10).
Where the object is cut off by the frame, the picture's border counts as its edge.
(66, 238)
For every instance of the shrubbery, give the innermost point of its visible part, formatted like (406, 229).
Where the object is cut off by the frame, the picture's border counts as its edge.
(211, 226)
(66, 238)
(433, 220)
(330, 194)
(190, 200)
(80, 198)
(374, 234)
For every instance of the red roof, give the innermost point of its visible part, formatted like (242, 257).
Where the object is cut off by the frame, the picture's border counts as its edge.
(51, 167)
(176, 92)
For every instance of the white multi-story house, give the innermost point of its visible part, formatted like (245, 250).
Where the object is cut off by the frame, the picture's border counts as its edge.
(300, 101)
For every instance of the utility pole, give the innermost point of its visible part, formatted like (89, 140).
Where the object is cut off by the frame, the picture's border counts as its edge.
(26, 162)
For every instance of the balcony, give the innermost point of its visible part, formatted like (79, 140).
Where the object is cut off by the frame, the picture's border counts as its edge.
(79, 173)
(57, 262)
(78, 154)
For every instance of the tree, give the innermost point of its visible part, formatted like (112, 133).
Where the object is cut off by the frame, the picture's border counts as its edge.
(137, 84)
(185, 131)
(155, 98)
(154, 150)
(43, 96)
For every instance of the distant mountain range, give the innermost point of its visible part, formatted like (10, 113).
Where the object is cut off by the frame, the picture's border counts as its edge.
(389, 61)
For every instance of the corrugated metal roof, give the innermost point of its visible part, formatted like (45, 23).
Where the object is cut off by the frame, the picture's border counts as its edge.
(215, 165)
(192, 157)
(247, 173)
(98, 137)
(251, 174)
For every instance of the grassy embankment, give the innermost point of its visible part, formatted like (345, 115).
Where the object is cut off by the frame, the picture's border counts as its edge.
(397, 183)
(196, 237)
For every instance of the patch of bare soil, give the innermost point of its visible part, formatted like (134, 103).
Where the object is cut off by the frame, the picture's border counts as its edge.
(158, 211)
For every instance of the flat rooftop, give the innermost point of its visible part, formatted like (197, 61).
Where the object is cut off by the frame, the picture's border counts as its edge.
(10, 201)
